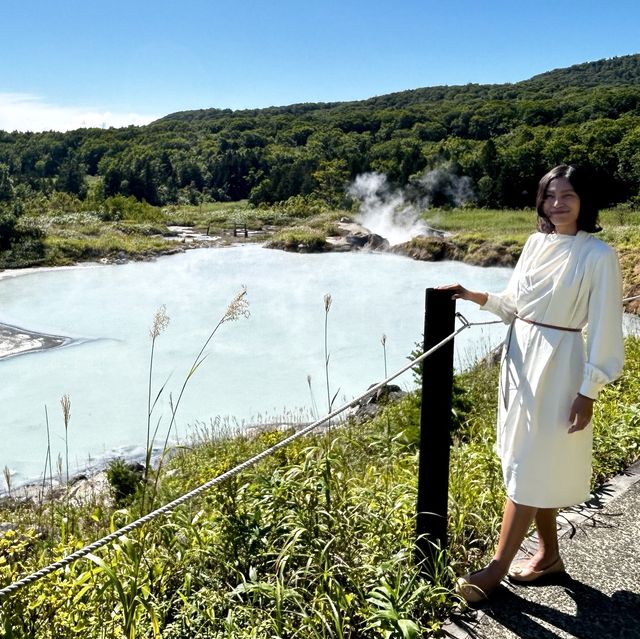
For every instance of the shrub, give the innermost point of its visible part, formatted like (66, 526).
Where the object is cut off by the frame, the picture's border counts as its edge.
(124, 480)
(303, 239)
(301, 206)
(119, 207)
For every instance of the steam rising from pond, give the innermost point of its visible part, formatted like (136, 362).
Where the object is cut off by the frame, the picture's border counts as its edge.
(395, 214)
(386, 211)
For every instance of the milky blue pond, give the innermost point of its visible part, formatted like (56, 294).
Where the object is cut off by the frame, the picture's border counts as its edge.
(256, 369)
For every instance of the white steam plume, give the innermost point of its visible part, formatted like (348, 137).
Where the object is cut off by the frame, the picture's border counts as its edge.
(395, 213)
(443, 184)
(385, 211)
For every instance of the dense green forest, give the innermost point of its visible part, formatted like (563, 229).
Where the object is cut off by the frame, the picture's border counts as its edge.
(502, 137)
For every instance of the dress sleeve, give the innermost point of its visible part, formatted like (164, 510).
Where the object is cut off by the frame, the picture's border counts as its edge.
(504, 304)
(605, 344)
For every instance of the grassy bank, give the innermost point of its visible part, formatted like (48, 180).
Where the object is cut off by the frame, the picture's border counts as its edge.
(63, 230)
(315, 541)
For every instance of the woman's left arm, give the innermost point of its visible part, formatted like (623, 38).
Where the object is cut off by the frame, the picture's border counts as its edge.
(605, 344)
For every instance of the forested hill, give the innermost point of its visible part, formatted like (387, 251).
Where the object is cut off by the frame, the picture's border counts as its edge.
(623, 71)
(502, 137)
(603, 73)
(610, 72)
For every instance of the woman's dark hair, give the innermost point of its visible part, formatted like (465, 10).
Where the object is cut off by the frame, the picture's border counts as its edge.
(582, 185)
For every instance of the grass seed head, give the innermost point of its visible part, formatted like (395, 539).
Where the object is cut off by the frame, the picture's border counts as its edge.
(160, 322)
(65, 402)
(238, 308)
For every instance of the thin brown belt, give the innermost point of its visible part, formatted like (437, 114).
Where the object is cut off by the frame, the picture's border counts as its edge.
(558, 328)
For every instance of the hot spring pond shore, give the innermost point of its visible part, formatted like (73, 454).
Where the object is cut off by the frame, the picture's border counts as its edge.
(19, 341)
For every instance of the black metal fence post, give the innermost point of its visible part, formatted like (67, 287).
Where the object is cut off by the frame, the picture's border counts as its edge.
(435, 429)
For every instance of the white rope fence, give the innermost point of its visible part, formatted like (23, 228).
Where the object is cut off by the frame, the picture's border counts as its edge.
(167, 508)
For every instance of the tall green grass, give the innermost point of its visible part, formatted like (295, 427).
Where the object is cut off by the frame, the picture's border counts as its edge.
(514, 223)
(315, 541)
(518, 223)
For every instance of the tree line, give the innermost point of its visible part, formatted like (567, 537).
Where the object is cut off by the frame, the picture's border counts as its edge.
(502, 138)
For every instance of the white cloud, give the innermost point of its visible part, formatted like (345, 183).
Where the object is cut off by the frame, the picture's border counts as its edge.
(25, 112)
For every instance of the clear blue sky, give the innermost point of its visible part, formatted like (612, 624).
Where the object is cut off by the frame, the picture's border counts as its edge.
(65, 62)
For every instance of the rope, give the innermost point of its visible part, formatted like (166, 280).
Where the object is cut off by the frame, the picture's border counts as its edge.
(78, 554)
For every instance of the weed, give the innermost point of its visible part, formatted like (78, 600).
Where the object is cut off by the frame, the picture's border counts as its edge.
(124, 481)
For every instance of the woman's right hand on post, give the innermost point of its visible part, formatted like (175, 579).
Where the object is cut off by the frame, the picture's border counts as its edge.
(459, 291)
(462, 293)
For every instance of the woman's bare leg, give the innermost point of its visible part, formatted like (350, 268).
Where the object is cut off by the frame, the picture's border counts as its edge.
(516, 521)
(548, 549)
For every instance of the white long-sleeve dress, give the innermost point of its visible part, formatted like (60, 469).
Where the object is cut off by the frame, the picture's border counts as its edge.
(565, 281)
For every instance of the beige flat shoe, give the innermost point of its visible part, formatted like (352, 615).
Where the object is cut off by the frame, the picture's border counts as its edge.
(523, 574)
(471, 593)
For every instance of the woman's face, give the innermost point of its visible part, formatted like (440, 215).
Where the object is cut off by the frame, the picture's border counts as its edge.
(562, 206)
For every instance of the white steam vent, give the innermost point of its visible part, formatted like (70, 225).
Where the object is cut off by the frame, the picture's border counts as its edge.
(395, 213)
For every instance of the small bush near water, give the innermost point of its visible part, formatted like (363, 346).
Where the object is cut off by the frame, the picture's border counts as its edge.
(125, 480)
(316, 541)
(298, 239)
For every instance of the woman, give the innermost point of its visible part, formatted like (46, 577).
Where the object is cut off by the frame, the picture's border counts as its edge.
(565, 279)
